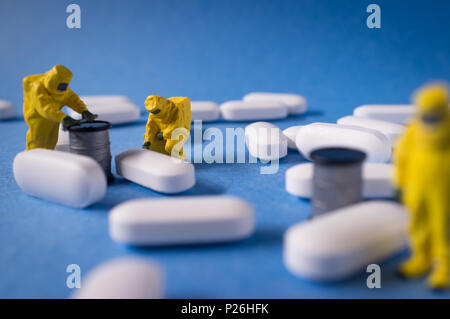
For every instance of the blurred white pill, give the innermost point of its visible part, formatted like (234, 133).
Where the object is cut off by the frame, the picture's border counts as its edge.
(114, 112)
(265, 141)
(390, 129)
(60, 177)
(344, 242)
(159, 172)
(253, 111)
(400, 114)
(122, 278)
(377, 180)
(320, 135)
(206, 111)
(296, 103)
(7, 110)
(104, 99)
(291, 134)
(186, 220)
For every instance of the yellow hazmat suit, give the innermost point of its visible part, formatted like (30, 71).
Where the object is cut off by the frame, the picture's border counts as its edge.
(43, 97)
(168, 125)
(422, 173)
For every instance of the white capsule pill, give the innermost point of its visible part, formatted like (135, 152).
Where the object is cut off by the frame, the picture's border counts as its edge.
(159, 172)
(253, 111)
(104, 99)
(390, 129)
(60, 177)
(205, 111)
(291, 134)
(377, 180)
(296, 103)
(186, 220)
(7, 110)
(320, 135)
(123, 278)
(344, 242)
(400, 114)
(265, 141)
(114, 113)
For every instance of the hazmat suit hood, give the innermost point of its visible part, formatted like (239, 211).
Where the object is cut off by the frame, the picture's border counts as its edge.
(433, 116)
(54, 77)
(159, 107)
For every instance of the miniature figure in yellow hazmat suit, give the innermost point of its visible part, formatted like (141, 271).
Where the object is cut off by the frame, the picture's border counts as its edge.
(422, 173)
(43, 97)
(168, 125)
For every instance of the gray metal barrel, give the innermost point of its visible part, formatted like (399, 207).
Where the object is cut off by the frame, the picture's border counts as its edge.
(92, 139)
(337, 178)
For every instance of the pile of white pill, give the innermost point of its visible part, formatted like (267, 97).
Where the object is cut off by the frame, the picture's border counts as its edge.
(378, 226)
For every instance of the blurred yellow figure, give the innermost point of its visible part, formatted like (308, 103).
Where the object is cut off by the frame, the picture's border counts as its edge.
(43, 97)
(422, 163)
(168, 125)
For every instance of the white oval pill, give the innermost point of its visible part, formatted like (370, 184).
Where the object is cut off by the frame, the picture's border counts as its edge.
(296, 103)
(156, 171)
(377, 180)
(206, 111)
(122, 278)
(265, 141)
(7, 110)
(253, 111)
(319, 135)
(186, 220)
(60, 177)
(400, 114)
(291, 134)
(344, 242)
(390, 129)
(114, 112)
(104, 99)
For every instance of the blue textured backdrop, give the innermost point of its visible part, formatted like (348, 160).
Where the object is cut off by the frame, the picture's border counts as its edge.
(215, 50)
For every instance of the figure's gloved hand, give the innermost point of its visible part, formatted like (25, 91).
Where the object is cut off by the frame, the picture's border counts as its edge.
(160, 136)
(146, 145)
(398, 194)
(68, 122)
(88, 116)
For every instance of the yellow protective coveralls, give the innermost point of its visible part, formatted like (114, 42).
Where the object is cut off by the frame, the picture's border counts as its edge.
(168, 125)
(422, 173)
(42, 103)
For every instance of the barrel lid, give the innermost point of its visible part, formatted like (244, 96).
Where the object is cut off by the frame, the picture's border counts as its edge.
(337, 156)
(93, 126)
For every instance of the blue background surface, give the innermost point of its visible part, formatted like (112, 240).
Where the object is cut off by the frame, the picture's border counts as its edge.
(213, 50)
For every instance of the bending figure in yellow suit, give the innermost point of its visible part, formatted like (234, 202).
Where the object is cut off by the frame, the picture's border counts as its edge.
(43, 97)
(422, 173)
(168, 125)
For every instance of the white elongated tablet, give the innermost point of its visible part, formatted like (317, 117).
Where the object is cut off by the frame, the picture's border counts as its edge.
(122, 278)
(114, 112)
(319, 135)
(104, 99)
(7, 110)
(265, 141)
(253, 111)
(339, 244)
(291, 134)
(377, 180)
(296, 103)
(206, 111)
(159, 172)
(390, 129)
(60, 177)
(400, 114)
(186, 220)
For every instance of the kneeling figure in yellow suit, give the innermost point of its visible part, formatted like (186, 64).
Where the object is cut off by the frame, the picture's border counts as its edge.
(422, 173)
(168, 125)
(43, 97)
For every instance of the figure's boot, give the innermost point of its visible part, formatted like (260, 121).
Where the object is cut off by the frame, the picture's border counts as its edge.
(440, 276)
(417, 265)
